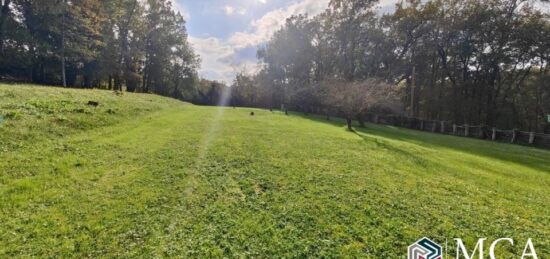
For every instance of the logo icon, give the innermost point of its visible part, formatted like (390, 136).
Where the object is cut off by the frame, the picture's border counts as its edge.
(425, 249)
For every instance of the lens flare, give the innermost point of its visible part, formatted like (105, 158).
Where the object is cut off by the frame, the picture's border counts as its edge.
(215, 124)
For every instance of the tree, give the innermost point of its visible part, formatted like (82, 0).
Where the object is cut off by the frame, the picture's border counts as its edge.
(288, 58)
(244, 91)
(468, 61)
(63, 68)
(139, 45)
(5, 12)
(353, 98)
(166, 46)
(210, 92)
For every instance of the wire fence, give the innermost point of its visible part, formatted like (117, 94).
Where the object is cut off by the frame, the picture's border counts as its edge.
(472, 131)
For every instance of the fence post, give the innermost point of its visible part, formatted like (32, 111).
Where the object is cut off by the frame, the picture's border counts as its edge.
(421, 124)
(531, 138)
(442, 127)
(454, 129)
(494, 136)
(514, 135)
(466, 130)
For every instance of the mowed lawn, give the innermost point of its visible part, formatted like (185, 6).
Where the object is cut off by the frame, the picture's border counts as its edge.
(146, 176)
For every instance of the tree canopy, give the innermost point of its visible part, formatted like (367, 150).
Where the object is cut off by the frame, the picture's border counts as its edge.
(470, 61)
(139, 45)
(482, 62)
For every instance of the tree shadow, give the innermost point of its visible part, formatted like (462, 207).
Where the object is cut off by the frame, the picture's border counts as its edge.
(538, 159)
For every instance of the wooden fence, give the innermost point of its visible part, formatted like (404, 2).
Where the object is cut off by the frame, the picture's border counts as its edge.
(481, 132)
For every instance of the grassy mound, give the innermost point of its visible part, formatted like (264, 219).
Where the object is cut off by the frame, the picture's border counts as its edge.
(144, 176)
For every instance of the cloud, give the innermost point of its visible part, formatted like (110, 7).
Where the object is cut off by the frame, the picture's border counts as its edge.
(214, 55)
(262, 29)
(221, 59)
(242, 11)
(229, 10)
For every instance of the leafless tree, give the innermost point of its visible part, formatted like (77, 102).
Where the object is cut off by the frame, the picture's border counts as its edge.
(354, 98)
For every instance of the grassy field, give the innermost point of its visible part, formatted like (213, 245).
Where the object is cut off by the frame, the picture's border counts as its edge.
(145, 176)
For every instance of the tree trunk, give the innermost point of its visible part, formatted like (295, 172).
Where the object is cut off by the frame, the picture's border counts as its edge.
(63, 71)
(361, 121)
(118, 83)
(3, 17)
(87, 82)
(42, 79)
(144, 85)
(124, 60)
(413, 86)
(349, 121)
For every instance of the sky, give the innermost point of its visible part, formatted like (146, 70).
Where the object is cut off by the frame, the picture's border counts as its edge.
(227, 33)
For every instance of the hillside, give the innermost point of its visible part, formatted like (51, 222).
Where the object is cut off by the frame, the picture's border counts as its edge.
(143, 176)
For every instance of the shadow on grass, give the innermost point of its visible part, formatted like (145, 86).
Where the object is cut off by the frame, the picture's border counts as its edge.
(538, 159)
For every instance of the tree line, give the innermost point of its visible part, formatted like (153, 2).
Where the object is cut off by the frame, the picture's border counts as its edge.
(135, 45)
(483, 62)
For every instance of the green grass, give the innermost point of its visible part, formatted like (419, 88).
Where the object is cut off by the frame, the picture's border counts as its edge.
(145, 176)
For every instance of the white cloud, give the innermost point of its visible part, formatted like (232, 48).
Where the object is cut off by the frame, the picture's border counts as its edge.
(229, 10)
(213, 54)
(242, 11)
(220, 58)
(261, 30)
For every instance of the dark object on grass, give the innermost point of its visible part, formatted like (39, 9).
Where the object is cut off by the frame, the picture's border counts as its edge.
(252, 114)
(92, 103)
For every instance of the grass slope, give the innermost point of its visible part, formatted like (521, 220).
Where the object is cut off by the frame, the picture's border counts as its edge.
(144, 176)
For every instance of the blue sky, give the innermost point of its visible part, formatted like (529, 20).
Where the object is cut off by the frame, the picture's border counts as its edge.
(226, 33)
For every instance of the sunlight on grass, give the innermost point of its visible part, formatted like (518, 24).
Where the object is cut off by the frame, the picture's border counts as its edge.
(215, 124)
(145, 176)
